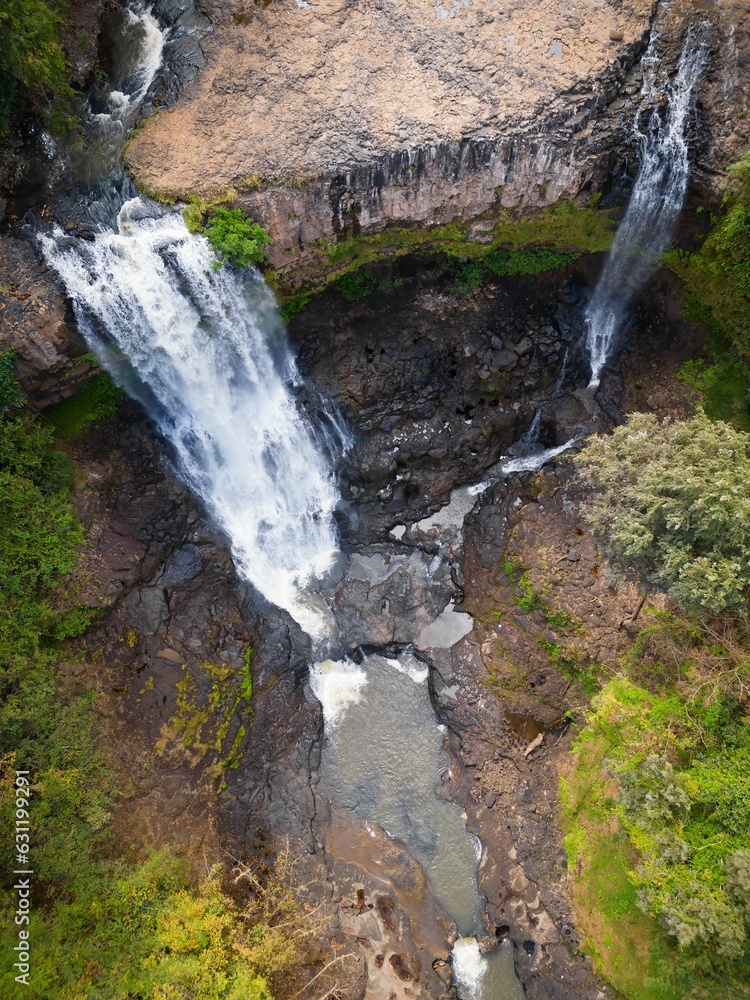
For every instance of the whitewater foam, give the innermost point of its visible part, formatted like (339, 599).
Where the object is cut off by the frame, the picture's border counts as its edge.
(206, 353)
(657, 198)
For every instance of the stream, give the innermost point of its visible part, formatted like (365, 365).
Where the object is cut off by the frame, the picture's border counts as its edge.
(205, 352)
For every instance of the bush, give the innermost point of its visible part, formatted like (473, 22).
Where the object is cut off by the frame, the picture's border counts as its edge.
(39, 532)
(10, 391)
(32, 62)
(234, 238)
(672, 503)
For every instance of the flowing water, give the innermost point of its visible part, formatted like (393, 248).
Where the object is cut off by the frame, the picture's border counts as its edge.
(383, 759)
(657, 197)
(204, 350)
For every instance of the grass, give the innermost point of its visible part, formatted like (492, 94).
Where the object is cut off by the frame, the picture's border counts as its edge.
(618, 842)
(624, 942)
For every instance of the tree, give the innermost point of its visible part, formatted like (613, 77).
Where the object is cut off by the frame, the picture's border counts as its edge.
(671, 502)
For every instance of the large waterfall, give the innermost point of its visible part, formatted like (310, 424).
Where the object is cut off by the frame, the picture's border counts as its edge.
(657, 197)
(205, 351)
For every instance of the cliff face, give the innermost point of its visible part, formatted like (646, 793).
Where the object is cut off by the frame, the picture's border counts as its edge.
(341, 117)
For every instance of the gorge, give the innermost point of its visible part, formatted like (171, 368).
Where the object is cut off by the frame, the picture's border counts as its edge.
(336, 599)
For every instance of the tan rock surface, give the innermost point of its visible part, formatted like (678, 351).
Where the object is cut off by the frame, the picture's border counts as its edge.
(333, 118)
(294, 90)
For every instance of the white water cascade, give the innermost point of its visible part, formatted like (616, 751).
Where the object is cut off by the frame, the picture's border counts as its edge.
(657, 198)
(205, 351)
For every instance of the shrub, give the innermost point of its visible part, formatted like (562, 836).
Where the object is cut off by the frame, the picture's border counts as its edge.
(671, 502)
(718, 276)
(10, 391)
(675, 778)
(32, 62)
(39, 531)
(234, 238)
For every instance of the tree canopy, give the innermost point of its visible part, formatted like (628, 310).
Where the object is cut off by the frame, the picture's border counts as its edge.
(671, 502)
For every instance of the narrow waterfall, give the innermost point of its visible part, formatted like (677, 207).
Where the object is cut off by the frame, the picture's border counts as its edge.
(203, 349)
(205, 352)
(656, 201)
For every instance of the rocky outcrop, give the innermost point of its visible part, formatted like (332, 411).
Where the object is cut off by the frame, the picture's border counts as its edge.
(438, 384)
(331, 119)
(724, 134)
(37, 324)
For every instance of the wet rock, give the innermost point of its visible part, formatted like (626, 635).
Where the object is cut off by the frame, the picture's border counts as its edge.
(182, 566)
(35, 323)
(388, 596)
(412, 445)
(502, 361)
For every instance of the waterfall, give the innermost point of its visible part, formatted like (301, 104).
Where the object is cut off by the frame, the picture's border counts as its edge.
(205, 351)
(656, 201)
(203, 348)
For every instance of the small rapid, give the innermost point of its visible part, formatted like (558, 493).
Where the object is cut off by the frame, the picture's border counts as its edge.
(657, 198)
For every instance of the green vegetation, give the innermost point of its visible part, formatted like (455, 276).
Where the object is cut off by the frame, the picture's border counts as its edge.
(212, 702)
(657, 816)
(98, 401)
(105, 925)
(508, 263)
(33, 68)
(357, 285)
(723, 384)
(672, 504)
(11, 396)
(233, 237)
(294, 304)
(528, 599)
(464, 277)
(247, 674)
(552, 238)
(718, 276)
(717, 283)
(152, 930)
(39, 533)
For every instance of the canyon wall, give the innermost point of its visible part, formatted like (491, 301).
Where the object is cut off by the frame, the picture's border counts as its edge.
(333, 118)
